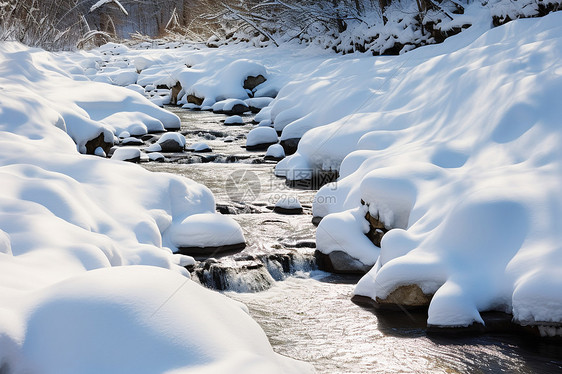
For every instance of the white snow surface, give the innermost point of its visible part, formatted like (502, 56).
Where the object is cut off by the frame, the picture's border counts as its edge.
(207, 230)
(261, 135)
(88, 280)
(455, 146)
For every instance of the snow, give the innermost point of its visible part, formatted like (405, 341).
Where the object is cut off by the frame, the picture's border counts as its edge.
(276, 151)
(234, 120)
(128, 153)
(101, 3)
(261, 135)
(173, 136)
(88, 279)
(207, 230)
(199, 147)
(141, 319)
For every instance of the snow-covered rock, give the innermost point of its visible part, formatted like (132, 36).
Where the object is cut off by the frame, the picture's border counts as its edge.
(256, 104)
(207, 235)
(233, 121)
(130, 154)
(288, 204)
(261, 138)
(170, 142)
(275, 152)
(199, 147)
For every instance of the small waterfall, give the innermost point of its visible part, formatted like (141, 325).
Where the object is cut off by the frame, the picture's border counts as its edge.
(252, 273)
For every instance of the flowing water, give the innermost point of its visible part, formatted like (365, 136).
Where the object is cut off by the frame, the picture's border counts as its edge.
(307, 314)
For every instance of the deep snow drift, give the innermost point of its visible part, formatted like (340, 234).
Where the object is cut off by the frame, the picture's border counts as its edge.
(69, 222)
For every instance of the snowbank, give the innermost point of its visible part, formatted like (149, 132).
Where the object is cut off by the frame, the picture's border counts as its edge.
(69, 225)
(456, 151)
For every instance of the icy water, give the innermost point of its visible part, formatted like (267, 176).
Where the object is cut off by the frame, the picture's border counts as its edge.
(309, 315)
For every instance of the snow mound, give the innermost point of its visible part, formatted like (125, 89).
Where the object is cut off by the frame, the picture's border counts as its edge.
(145, 320)
(234, 120)
(275, 151)
(261, 135)
(126, 154)
(456, 148)
(207, 230)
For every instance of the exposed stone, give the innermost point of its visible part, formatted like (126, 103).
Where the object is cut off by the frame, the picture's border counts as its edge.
(252, 82)
(316, 220)
(340, 262)
(176, 89)
(98, 141)
(290, 145)
(194, 100)
(408, 296)
(236, 110)
(289, 211)
(377, 229)
(171, 145)
(206, 252)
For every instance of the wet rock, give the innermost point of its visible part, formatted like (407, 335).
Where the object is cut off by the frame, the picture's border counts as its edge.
(340, 263)
(408, 296)
(252, 82)
(194, 100)
(98, 141)
(199, 147)
(234, 121)
(288, 204)
(290, 145)
(216, 251)
(316, 220)
(170, 145)
(130, 141)
(246, 276)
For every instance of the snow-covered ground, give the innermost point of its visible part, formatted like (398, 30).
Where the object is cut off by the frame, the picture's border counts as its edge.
(455, 147)
(69, 223)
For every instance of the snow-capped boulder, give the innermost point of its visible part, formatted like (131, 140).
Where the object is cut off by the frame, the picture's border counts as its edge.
(199, 147)
(230, 107)
(207, 235)
(234, 121)
(127, 154)
(132, 141)
(156, 156)
(171, 142)
(261, 138)
(256, 104)
(275, 152)
(288, 204)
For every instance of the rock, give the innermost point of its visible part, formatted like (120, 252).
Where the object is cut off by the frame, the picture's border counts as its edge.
(288, 204)
(229, 139)
(234, 121)
(275, 152)
(96, 142)
(252, 82)
(199, 147)
(377, 229)
(316, 220)
(235, 107)
(207, 235)
(194, 100)
(157, 157)
(260, 138)
(290, 145)
(100, 152)
(171, 142)
(409, 296)
(340, 262)
(258, 103)
(127, 154)
(132, 141)
(124, 134)
(176, 89)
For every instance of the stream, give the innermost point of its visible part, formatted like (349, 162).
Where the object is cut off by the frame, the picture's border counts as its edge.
(307, 314)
